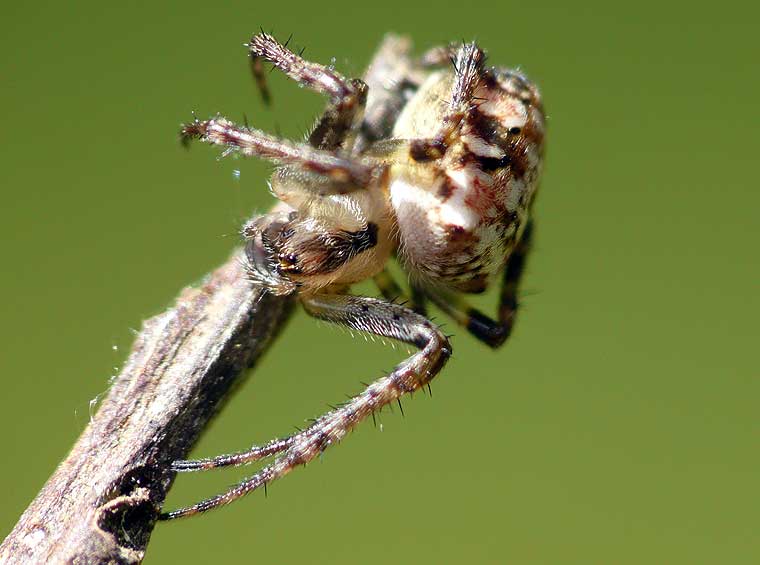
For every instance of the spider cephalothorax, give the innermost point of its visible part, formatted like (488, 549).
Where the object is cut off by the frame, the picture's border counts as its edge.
(434, 160)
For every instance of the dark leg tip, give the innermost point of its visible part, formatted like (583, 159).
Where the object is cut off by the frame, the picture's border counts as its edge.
(486, 330)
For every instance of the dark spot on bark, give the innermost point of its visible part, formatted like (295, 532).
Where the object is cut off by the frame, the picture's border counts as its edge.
(146, 476)
(131, 506)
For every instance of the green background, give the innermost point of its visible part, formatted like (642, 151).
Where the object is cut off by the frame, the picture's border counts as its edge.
(620, 425)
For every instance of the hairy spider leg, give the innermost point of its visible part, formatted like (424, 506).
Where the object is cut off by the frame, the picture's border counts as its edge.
(347, 174)
(337, 126)
(491, 332)
(321, 157)
(234, 459)
(440, 55)
(469, 70)
(358, 313)
(393, 77)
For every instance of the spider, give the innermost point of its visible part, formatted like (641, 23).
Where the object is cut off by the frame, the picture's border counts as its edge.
(435, 160)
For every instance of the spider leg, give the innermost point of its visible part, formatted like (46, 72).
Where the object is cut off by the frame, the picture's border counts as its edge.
(392, 292)
(363, 314)
(388, 287)
(393, 78)
(312, 75)
(468, 61)
(254, 143)
(399, 76)
(336, 127)
(492, 332)
(256, 453)
(439, 56)
(260, 78)
(419, 300)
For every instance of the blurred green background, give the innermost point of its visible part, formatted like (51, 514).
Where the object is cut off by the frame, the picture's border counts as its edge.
(620, 425)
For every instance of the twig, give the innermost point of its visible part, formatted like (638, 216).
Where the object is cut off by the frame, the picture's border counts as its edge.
(101, 503)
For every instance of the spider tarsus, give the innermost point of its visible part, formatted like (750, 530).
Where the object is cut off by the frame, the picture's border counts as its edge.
(193, 130)
(257, 70)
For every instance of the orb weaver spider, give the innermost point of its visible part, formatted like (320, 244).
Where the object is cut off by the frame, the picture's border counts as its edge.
(436, 164)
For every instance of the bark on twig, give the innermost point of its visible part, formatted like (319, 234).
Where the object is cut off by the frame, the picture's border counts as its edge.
(101, 503)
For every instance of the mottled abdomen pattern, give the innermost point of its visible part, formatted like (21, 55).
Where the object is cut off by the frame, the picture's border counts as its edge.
(460, 216)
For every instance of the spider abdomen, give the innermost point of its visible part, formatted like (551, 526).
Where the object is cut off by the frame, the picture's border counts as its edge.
(458, 230)
(460, 216)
